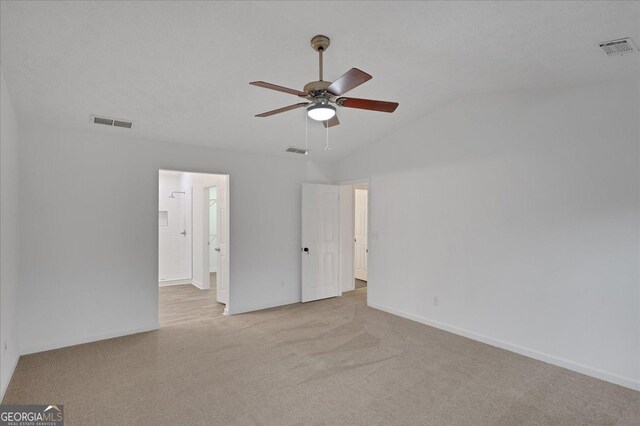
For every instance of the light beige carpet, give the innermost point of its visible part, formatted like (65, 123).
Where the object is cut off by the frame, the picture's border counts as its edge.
(333, 362)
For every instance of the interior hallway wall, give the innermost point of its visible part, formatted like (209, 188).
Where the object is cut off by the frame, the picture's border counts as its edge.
(9, 224)
(81, 282)
(520, 213)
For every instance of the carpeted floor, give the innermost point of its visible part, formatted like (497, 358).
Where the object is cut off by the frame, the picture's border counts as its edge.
(331, 362)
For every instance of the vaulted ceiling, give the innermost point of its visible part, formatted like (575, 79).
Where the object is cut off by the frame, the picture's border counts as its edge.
(180, 70)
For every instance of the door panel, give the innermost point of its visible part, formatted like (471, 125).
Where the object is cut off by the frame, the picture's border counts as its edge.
(320, 241)
(360, 241)
(222, 241)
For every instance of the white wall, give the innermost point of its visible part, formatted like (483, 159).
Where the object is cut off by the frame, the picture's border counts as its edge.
(9, 241)
(108, 275)
(520, 212)
(347, 282)
(174, 248)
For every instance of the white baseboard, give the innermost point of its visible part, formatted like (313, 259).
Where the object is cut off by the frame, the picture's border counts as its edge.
(199, 285)
(348, 287)
(531, 353)
(10, 373)
(245, 309)
(73, 342)
(174, 282)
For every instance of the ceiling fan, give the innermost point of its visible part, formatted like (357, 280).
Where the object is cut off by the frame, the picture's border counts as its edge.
(321, 94)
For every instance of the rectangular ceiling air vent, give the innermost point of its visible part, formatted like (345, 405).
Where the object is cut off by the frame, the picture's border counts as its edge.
(111, 122)
(100, 120)
(295, 150)
(125, 124)
(618, 47)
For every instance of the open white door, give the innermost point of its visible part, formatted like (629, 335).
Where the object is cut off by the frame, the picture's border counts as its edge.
(222, 241)
(320, 241)
(360, 240)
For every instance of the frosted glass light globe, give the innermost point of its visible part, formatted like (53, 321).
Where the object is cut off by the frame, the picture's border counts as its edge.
(321, 112)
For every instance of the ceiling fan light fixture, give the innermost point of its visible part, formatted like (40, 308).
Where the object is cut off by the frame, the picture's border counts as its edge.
(321, 112)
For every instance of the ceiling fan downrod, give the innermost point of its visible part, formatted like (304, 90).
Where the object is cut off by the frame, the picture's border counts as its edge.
(320, 43)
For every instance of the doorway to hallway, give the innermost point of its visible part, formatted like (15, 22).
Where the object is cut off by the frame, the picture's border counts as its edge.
(334, 250)
(360, 237)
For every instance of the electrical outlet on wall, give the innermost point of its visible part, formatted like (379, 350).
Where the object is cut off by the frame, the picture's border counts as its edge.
(435, 300)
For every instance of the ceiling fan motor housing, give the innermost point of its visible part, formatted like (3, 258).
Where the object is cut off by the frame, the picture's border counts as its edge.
(316, 87)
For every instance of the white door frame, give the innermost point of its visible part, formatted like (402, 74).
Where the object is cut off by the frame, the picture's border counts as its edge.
(347, 246)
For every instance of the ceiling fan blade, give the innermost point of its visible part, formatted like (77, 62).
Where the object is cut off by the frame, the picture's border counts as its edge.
(285, 109)
(278, 88)
(347, 81)
(331, 122)
(368, 104)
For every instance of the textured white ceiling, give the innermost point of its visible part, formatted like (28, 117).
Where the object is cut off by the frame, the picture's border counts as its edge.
(181, 70)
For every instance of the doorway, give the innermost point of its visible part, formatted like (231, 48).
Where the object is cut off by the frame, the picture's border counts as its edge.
(360, 237)
(354, 236)
(193, 246)
(334, 250)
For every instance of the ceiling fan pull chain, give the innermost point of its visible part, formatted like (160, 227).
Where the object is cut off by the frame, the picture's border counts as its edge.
(306, 134)
(326, 148)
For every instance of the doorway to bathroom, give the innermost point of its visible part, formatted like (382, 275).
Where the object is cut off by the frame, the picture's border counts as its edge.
(193, 246)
